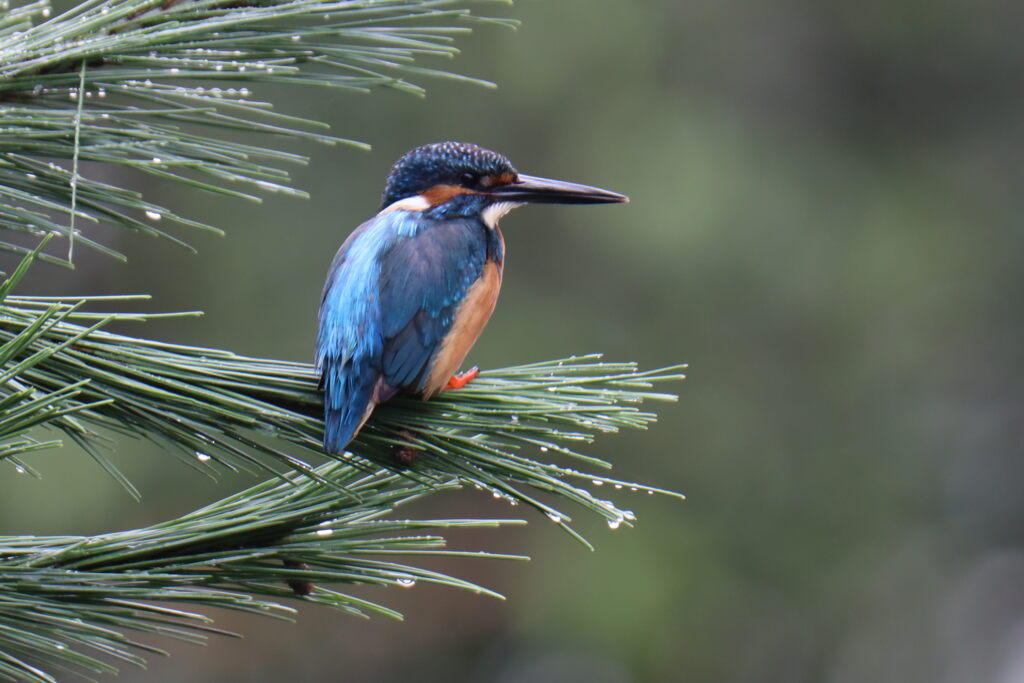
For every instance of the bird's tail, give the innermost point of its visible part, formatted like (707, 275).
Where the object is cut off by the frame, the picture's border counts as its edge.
(349, 397)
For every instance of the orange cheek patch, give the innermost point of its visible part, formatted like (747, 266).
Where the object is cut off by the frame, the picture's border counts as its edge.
(439, 194)
(498, 180)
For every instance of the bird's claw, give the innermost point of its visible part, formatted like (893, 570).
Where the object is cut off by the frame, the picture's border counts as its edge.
(463, 378)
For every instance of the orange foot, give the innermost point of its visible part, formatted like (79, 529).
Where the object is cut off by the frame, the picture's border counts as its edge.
(463, 378)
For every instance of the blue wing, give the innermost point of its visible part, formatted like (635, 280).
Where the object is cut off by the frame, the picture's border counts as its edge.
(389, 301)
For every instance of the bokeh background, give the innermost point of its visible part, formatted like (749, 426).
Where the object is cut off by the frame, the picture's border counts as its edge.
(825, 224)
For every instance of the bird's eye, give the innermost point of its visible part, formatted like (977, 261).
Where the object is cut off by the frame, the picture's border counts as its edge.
(470, 179)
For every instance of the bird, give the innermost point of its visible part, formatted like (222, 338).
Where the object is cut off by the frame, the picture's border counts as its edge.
(410, 290)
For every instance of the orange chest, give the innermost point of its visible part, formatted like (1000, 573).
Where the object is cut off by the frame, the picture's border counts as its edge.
(470, 319)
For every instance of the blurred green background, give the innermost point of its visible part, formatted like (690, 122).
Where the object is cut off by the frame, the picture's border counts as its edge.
(825, 223)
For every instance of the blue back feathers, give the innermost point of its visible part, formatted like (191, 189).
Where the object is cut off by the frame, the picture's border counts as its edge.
(389, 301)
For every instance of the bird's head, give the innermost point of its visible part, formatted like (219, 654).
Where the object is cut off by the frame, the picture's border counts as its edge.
(461, 175)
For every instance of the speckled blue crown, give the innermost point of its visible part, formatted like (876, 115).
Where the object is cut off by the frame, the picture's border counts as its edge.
(441, 163)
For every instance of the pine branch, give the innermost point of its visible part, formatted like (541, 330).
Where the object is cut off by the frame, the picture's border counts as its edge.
(72, 603)
(216, 409)
(77, 604)
(162, 87)
(154, 85)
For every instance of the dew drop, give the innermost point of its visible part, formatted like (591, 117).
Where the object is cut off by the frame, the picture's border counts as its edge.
(557, 519)
(101, 93)
(202, 457)
(241, 69)
(614, 523)
(543, 449)
(73, 94)
(61, 646)
(30, 176)
(406, 581)
(650, 493)
(153, 215)
(46, 12)
(296, 39)
(618, 486)
(157, 160)
(552, 388)
(515, 419)
(598, 482)
(19, 469)
(632, 488)
(174, 69)
(244, 92)
(324, 532)
(219, 67)
(104, 116)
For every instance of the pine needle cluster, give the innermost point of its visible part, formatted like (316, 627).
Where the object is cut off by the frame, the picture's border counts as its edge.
(162, 86)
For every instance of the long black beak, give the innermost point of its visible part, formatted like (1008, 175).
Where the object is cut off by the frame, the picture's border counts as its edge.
(528, 188)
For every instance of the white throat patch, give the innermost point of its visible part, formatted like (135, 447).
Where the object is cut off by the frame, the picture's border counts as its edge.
(493, 213)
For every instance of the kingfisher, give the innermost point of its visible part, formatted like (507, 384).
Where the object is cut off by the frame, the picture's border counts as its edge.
(411, 289)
